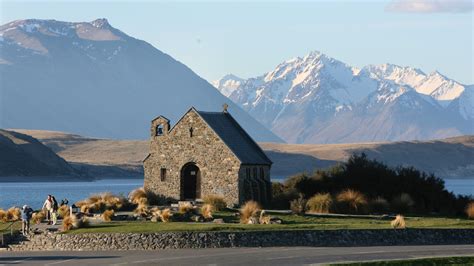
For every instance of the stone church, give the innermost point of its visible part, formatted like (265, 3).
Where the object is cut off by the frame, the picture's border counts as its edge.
(206, 153)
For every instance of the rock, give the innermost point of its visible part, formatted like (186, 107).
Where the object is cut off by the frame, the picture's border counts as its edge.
(218, 221)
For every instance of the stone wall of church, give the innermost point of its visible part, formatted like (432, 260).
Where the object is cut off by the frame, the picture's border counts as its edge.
(219, 167)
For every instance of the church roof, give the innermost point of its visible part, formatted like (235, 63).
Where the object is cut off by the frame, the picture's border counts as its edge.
(235, 137)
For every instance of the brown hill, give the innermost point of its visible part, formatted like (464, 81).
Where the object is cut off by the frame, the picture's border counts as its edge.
(24, 156)
(452, 157)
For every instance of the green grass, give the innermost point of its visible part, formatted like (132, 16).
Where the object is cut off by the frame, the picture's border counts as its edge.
(417, 262)
(290, 222)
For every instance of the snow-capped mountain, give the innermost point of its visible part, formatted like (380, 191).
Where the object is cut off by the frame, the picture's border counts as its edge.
(318, 99)
(92, 79)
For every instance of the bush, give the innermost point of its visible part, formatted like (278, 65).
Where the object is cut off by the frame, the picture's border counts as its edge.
(298, 206)
(249, 212)
(320, 203)
(402, 203)
(63, 211)
(282, 196)
(3, 215)
(185, 208)
(73, 222)
(399, 222)
(38, 217)
(206, 211)
(470, 210)
(107, 215)
(351, 201)
(216, 201)
(138, 197)
(13, 214)
(165, 215)
(98, 203)
(379, 205)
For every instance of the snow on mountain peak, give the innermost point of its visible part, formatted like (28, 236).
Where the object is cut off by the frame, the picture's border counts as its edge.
(101, 23)
(227, 84)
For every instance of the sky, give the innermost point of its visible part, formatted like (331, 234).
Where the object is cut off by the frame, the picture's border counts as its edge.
(250, 38)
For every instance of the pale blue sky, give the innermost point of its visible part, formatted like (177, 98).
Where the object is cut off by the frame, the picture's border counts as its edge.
(249, 39)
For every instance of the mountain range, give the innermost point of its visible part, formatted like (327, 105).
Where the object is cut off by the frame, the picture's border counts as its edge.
(95, 80)
(318, 99)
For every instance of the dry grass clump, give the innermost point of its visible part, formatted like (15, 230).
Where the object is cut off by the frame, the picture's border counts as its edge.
(298, 206)
(249, 212)
(73, 222)
(379, 205)
(185, 208)
(100, 202)
(402, 203)
(165, 215)
(107, 215)
(63, 211)
(470, 210)
(320, 203)
(162, 215)
(38, 217)
(206, 211)
(138, 196)
(216, 201)
(3, 214)
(351, 201)
(399, 222)
(13, 214)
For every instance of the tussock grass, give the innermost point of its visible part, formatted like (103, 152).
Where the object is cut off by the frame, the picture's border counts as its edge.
(98, 203)
(107, 215)
(38, 217)
(73, 222)
(402, 203)
(3, 215)
(470, 210)
(13, 214)
(320, 203)
(216, 201)
(379, 205)
(138, 196)
(249, 212)
(185, 208)
(63, 211)
(399, 222)
(165, 215)
(206, 211)
(351, 201)
(298, 205)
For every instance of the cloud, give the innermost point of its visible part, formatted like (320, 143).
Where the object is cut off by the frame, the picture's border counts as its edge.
(430, 6)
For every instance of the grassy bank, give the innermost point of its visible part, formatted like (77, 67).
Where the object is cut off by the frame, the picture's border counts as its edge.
(416, 262)
(290, 222)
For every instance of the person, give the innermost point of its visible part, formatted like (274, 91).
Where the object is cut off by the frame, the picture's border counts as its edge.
(54, 211)
(26, 213)
(48, 206)
(64, 202)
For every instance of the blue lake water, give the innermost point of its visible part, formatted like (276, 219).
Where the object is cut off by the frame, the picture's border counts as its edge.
(34, 193)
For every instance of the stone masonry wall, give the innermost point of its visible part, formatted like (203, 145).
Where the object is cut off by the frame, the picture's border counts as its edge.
(219, 167)
(316, 238)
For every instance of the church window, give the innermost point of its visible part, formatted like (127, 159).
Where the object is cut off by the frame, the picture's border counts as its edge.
(163, 174)
(159, 130)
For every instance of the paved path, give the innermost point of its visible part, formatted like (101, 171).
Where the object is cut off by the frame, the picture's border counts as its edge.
(232, 256)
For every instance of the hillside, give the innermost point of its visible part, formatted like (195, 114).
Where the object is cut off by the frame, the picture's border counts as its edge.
(318, 99)
(93, 79)
(24, 156)
(452, 157)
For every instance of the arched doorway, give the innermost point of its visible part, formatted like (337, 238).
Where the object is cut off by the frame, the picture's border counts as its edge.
(190, 182)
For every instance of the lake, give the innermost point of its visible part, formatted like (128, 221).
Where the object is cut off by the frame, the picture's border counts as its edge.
(34, 193)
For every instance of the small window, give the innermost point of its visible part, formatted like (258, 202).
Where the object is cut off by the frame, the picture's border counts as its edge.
(163, 174)
(191, 132)
(159, 130)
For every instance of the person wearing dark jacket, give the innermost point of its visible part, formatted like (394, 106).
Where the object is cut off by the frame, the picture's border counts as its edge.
(26, 213)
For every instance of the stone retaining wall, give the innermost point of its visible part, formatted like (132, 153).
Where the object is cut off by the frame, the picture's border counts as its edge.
(171, 240)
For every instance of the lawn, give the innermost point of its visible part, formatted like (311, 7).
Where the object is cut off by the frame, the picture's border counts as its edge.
(417, 262)
(290, 222)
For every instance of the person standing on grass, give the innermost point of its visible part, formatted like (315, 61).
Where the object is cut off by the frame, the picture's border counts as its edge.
(48, 207)
(26, 213)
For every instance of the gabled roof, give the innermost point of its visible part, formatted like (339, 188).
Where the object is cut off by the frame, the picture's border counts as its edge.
(235, 137)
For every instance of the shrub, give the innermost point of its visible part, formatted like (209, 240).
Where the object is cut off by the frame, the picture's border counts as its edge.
(206, 211)
(98, 203)
(298, 206)
(107, 215)
(38, 217)
(248, 212)
(13, 214)
(63, 211)
(142, 210)
(351, 201)
(399, 222)
(402, 203)
(379, 205)
(470, 210)
(165, 215)
(3, 215)
(138, 196)
(216, 201)
(320, 203)
(185, 208)
(73, 222)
